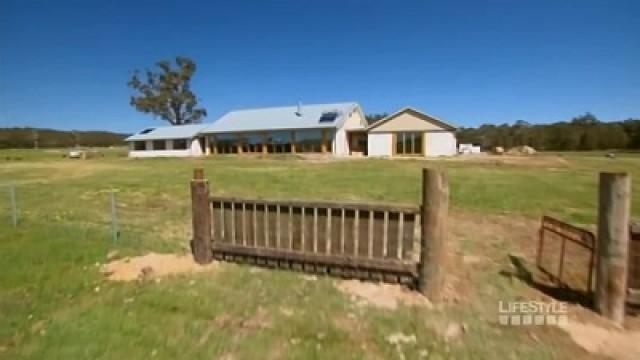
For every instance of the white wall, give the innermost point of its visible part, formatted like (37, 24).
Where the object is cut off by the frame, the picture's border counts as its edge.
(379, 144)
(440, 143)
(340, 142)
(340, 138)
(159, 153)
(193, 149)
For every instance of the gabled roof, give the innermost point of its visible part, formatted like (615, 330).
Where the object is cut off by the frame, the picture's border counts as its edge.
(419, 114)
(282, 118)
(167, 132)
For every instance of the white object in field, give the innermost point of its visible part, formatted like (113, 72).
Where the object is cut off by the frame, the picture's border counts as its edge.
(75, 154)
(468, 149)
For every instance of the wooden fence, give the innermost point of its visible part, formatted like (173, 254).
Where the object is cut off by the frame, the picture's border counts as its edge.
(403, 240)
(356, 235)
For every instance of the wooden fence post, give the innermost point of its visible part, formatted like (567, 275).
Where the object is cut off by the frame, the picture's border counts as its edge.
(613, 245)
(201, 213)
(433, 264)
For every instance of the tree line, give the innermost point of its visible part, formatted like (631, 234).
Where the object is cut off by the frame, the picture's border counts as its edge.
(27, 137)
(584, 132)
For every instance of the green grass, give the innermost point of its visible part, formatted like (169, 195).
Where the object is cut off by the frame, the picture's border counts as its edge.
(50, 306)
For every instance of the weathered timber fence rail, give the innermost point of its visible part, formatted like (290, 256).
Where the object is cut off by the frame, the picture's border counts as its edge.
(404, 240)
(357, 235)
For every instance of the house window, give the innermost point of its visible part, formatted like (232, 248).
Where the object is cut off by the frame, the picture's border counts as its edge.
(409, 143)
(226, 144)
(309, 141)
(180, 144)
(140, 145)
(159, 144)
(279, 142)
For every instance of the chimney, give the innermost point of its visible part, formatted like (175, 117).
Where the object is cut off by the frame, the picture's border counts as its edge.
(299, 112)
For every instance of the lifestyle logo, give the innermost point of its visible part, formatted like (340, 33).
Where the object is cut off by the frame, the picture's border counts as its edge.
(532, 313)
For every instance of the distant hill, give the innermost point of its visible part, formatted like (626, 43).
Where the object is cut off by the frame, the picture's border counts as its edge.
(27, 137)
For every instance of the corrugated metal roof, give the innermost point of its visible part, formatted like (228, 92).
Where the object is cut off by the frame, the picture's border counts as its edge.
(281, 118)
(167, 132)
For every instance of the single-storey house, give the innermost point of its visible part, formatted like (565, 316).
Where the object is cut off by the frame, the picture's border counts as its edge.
(321, 128)
(410, 132)
(339, 129)
(166, 141)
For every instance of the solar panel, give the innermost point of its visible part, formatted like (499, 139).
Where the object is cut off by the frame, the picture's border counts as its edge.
(329, 116)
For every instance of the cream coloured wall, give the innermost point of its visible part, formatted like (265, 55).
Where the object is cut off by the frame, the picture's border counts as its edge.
(340, 138)
(379, 144)
(441, 143)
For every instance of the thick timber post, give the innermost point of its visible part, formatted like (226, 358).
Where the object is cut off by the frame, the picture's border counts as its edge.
(201, 212)
(434, 248)
(613, 245)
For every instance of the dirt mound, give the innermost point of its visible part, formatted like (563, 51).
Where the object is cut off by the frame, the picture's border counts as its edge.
(617, 344)
(386, 296)
(521, 150)
(152, 265)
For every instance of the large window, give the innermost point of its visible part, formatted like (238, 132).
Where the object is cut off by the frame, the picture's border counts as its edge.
(409, 143)
(312, 141)
(274, 142)
(159, 144)
(251, 143)
(140, 145)
(279, 142)
(180, 144)
(226, 143)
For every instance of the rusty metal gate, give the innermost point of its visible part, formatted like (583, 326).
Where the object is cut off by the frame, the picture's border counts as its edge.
(566, 254)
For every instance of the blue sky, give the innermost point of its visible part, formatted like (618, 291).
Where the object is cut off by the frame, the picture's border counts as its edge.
(65, 64)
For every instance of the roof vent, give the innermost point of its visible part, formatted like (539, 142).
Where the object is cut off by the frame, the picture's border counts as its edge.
(299, 110)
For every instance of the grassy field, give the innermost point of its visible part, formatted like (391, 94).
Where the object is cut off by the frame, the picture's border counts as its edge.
(54, 303)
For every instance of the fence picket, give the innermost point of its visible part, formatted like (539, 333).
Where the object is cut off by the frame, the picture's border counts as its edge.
(356, 235)
(315, 229)
(342, 234)
(278, 226)
(328, 234)
(400, 235)
(385, 235)
(370, 246)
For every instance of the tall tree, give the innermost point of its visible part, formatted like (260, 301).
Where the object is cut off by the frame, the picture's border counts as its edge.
(167, 92)
(371, 118)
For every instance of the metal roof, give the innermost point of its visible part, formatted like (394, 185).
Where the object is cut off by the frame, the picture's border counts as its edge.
(282, 118)
(167, 132)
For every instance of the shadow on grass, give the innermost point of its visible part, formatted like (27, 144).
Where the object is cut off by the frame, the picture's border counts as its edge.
(558, 291)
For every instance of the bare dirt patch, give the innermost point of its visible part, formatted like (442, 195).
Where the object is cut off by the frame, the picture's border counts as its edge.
(153, 265)
(617, 344)
(386, 296)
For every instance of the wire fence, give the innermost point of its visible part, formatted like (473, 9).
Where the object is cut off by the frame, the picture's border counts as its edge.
(125, 218)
